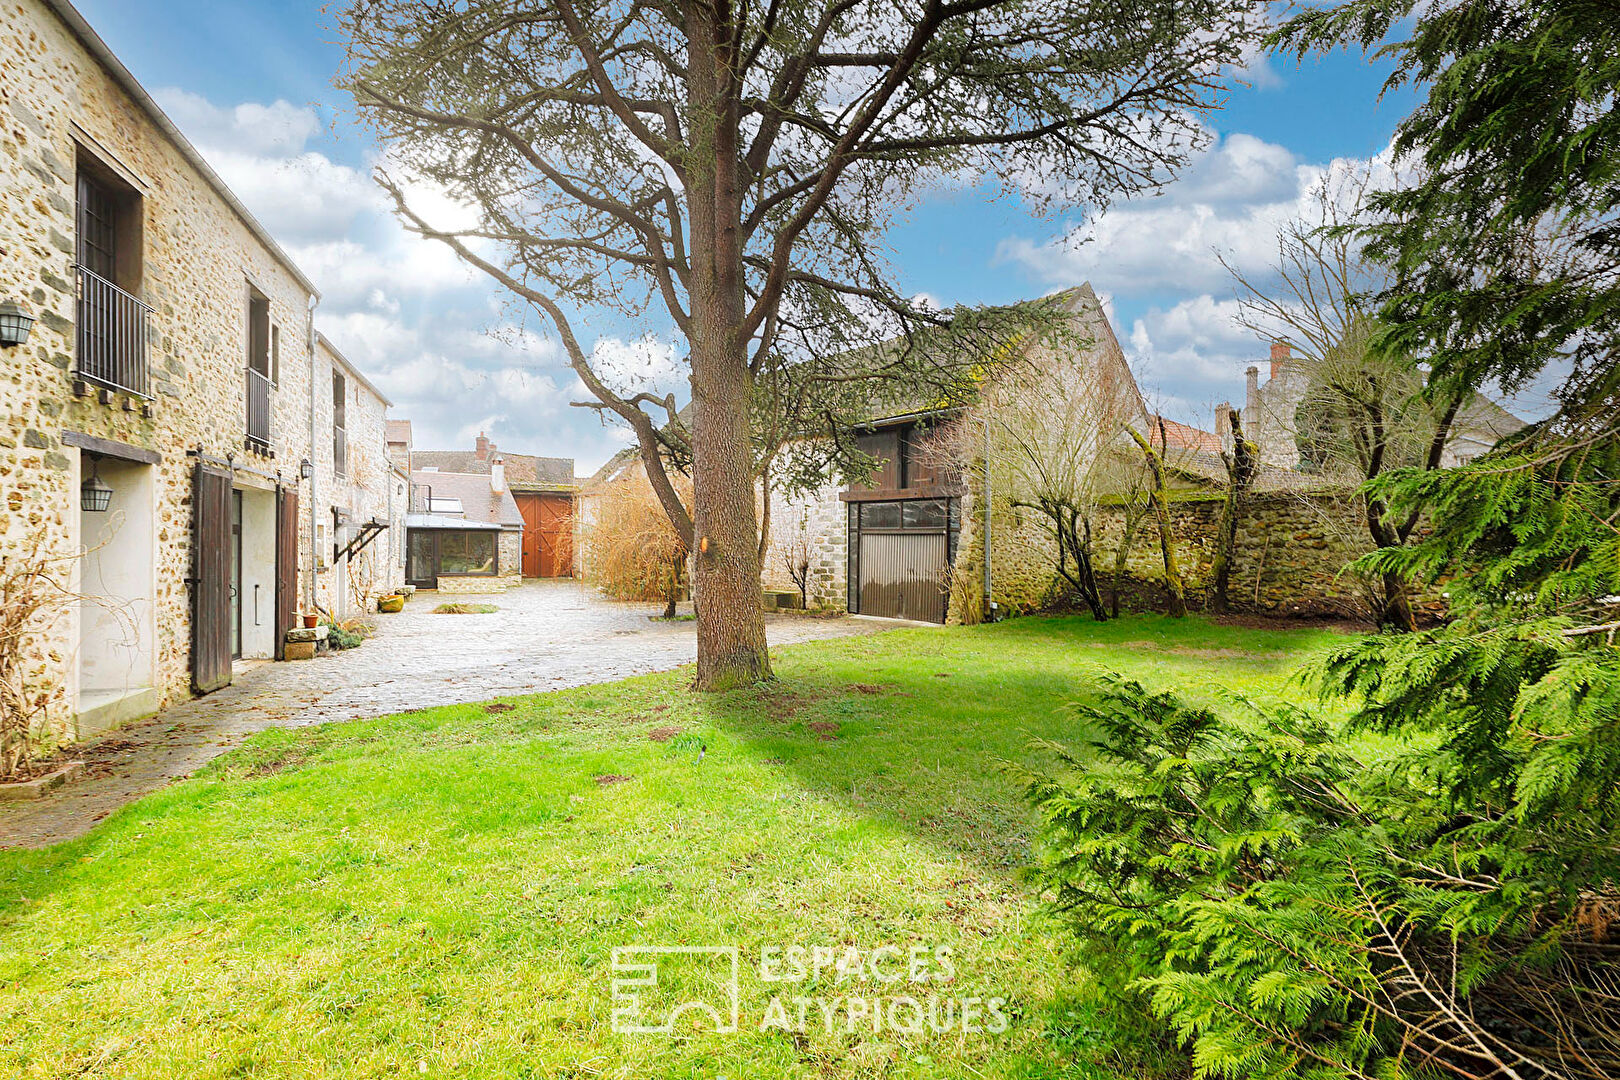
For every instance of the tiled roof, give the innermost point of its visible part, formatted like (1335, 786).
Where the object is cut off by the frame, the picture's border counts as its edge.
(478, 502)
(521, 469)
(1187, 437)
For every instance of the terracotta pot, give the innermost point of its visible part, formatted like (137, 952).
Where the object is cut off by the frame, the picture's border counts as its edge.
(310, 621)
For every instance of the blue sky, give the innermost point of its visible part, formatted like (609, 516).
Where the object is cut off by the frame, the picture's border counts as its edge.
(251, 85)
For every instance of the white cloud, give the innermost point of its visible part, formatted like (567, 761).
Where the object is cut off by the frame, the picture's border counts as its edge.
(649, 363)
(280, 129)
(1255, 68)
(428, 329)
(1231, 202)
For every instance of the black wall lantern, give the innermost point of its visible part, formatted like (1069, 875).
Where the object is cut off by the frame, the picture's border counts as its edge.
(95, 494)
(14, 324)
(306, 468)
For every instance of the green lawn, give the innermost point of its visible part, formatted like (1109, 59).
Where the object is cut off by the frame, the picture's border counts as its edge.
(440, 892)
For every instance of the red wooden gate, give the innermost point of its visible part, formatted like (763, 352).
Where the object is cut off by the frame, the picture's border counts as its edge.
(286, 566)
(548, 534)
(211, 579)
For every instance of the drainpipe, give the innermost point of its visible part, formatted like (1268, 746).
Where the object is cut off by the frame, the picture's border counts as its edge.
(314, 473)
(989, 603)
(389, 583)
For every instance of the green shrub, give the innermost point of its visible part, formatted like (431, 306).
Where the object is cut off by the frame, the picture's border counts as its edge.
(347, 634)
(1286, 909)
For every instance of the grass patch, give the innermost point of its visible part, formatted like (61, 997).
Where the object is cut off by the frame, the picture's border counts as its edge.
(446, 887)
(456, 607)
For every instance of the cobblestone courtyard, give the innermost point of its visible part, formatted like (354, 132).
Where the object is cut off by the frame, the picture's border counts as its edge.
(544, 636)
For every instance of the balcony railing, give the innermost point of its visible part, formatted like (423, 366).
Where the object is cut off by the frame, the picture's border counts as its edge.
(258, 411)
(111, 336)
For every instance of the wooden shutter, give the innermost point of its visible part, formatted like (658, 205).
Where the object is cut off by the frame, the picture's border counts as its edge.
(286, 566)
(211, 583)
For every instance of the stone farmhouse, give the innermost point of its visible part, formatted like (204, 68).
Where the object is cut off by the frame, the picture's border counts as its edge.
(484, 519)
(1270, 408)
(176, 430)
(908, 542)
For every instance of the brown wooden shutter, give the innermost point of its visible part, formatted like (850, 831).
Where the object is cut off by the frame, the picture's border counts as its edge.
(211, 585)
(286, 566)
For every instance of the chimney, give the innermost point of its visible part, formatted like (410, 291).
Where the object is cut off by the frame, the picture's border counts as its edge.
(481, 447)
(1281, 354)
(1223, 424)
(497, 476)
(1251, 399)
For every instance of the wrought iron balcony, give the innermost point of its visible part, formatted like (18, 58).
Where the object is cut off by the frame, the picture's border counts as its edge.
(111, 341)
(258, 411)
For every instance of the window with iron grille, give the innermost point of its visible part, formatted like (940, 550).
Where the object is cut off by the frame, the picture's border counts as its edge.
(258, 371)
(110, 331)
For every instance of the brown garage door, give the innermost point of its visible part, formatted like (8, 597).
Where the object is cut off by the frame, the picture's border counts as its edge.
(901, 575)
(548, 534)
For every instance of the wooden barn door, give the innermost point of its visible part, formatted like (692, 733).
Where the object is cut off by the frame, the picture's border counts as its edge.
(211, 582)
(556, 536)
(286, 565)
(548, 534)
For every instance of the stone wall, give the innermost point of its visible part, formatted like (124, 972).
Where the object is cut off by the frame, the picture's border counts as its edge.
(1288, 559)
(1023, 564)
(199, 257)
(819, 519)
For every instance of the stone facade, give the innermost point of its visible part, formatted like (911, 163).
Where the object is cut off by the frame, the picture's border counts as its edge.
(364, 487)
(1288, 560)
(1023, 578)
(814, 523)
(190, 254)
(1270, 411)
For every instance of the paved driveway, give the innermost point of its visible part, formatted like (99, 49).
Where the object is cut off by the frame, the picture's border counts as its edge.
(544, 636)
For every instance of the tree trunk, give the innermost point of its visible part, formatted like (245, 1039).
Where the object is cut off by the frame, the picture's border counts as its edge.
(1088, 575)
(1397, 613)
(1072, 533)
(731, 649)
(1239, 474)
(764, 514)
(673, 592)
(1161, 512)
